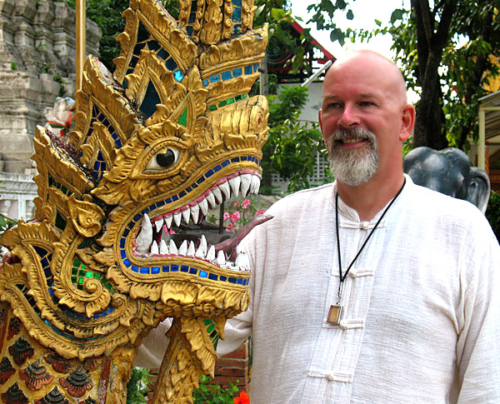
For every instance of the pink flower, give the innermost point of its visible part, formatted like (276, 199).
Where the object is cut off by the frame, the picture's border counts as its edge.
(260, 212)
(236, 204)
(230, 227)
(226, 215)
(246, 203)
(235, 216)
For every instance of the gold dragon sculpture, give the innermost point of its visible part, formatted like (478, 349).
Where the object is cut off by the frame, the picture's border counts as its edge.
(171, 134)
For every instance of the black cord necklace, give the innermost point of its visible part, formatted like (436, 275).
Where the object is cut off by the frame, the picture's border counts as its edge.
(335, 314)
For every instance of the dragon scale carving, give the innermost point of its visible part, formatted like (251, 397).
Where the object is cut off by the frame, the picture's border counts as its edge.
(171, 134)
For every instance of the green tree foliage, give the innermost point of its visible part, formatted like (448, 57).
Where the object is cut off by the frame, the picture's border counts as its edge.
(293, 146)
(5, 223)
(212, 393)
(277, 14)
(445, 48)
(138, 386)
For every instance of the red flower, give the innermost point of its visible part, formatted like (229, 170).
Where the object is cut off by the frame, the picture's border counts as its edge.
(242, 399)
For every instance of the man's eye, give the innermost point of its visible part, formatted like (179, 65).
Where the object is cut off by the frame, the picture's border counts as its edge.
(366, 103)
(334, 105)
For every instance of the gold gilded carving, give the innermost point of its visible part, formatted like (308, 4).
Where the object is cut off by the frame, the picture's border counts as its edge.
(86, 216)
(169, 135)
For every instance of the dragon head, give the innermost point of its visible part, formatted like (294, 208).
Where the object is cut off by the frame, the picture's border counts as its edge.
(171, 134)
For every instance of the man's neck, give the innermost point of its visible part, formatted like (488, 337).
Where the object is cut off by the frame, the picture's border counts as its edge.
(370, 198)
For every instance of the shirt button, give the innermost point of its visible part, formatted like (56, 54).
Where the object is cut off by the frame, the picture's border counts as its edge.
(329, 377)
(364, 225)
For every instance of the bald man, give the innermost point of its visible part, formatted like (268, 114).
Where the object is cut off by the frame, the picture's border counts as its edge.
(371, 289)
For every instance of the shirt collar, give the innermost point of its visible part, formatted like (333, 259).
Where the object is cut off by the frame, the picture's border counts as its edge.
(350, 216)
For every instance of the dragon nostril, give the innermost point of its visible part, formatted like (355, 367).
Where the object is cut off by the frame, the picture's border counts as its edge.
(166, 159)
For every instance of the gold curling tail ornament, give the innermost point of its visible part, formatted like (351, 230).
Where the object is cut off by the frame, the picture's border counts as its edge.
(119, 242)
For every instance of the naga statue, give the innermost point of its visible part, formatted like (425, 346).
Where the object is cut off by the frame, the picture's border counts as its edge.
(171, 134)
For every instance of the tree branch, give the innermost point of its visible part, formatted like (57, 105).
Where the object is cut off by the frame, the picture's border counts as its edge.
(426, 20)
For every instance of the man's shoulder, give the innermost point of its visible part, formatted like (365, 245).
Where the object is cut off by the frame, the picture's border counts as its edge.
(431, 203)
(304, 198)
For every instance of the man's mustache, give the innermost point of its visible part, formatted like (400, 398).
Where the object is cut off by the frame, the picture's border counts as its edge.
(355, 133)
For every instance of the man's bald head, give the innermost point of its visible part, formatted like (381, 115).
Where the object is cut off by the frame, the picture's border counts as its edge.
(366, 62)
(362, 94)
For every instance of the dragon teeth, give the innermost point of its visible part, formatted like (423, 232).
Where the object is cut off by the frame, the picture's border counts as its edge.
(224, 188)
(186, 214)
(177, 218)
(221, 258)
(246, 182)
(211, 200)
(159, 225)
(195, 213)
(155, 250)
(183, 248)
(168, 221)
(191, 249)
(164, 248)
(218, 195)
(145, 237)
(201, 252)
(255, 186)
(173, 248)
(211, 254)
(234, 183)
(242, 262)
(204, 206)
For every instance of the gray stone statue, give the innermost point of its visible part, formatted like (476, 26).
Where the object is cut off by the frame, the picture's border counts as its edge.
(448, 171)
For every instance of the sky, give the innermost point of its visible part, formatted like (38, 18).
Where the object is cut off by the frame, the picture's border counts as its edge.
(365, 13)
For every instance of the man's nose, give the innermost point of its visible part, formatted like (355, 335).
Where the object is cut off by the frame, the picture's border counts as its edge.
(349, 118)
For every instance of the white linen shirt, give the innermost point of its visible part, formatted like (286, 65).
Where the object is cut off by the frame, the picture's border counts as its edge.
(421, 317)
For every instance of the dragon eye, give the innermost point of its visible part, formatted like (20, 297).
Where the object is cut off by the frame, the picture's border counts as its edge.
(164, 159)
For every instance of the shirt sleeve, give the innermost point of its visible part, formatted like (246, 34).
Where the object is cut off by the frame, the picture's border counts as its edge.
(239, 328)
(153, 347)
(478, 348)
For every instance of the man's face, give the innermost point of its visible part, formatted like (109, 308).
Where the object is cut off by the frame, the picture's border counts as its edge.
(353, 166)
(359, 99)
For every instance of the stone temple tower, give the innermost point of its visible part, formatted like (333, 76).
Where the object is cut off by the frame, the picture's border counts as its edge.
(37, 64)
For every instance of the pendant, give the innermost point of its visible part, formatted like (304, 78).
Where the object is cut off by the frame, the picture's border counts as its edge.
(335, 314)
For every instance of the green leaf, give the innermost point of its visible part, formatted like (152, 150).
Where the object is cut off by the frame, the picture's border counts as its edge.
(397, 15)
(341, 4)
(336, 35)
(350, 15)
(278, 13)
(378, 22)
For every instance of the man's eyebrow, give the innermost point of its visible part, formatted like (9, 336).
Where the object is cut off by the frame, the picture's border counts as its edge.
(362, 95)
(369, 95)
(330, 96)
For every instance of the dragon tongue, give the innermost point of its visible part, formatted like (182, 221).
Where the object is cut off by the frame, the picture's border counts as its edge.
(229, 246)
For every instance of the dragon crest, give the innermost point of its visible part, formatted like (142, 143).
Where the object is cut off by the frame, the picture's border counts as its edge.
(171, 134)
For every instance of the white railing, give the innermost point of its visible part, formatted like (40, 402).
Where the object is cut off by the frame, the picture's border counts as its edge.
(17, 192)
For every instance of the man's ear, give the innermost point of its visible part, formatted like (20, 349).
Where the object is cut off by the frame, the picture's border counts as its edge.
(407, 122)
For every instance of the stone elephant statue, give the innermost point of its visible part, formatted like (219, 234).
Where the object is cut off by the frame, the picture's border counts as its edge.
(448, 171)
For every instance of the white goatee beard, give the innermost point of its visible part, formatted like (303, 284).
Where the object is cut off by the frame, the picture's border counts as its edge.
(353, 167)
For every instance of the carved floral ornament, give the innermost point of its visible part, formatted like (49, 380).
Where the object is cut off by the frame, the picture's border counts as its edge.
(169, 135)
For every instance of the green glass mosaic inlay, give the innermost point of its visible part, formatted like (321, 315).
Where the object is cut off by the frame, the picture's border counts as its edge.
(80, 273)
(183, 119)
(229, 101)
(212, 332)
